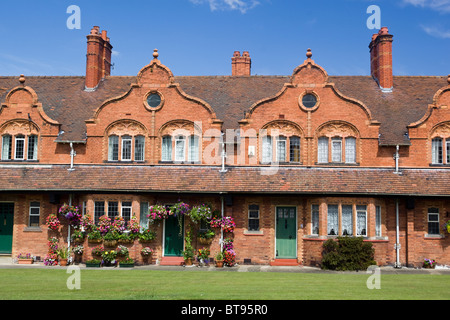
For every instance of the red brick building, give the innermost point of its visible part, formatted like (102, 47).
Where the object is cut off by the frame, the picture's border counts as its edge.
(308, 156)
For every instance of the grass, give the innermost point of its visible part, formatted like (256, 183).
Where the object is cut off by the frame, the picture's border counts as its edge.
(135, 284)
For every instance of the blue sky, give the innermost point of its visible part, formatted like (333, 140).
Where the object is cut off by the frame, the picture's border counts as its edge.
(198, 37)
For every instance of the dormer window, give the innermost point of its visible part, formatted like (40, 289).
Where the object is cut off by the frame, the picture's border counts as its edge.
(121, 148)
(19, 147)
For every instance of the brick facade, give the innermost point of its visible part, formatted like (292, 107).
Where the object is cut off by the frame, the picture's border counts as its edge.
(351, 127)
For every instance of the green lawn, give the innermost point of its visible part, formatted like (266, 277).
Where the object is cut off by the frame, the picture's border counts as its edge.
(50, 284)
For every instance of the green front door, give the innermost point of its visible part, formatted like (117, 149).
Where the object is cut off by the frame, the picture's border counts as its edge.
(286, 237)
(173, 237)
(6, 227)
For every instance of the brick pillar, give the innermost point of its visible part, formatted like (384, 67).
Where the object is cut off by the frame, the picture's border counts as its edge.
(381, 59)
(241, 64)
(410, 243)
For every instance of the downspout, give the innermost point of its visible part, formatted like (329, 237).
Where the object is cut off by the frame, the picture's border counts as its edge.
(224, 155)
(397, 234)
(221, 229)
(68, 235)
(72, 155)
(397, 157)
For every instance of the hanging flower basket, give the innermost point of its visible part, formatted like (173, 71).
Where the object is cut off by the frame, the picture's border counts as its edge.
(53, 222)
(158, 213)
(71, 213)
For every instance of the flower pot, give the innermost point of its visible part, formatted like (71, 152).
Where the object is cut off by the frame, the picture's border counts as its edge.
(63, 262)
(25, 261)
(188, 261)
(219, 264)
(147, 259)
(92, 265)
(127, 265)
(204, 241)
(110, 243)
(95, 241)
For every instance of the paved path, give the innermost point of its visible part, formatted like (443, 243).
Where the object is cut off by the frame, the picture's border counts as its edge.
(8, 262)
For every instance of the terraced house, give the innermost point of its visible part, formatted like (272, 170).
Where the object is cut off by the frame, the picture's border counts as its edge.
(295, 159)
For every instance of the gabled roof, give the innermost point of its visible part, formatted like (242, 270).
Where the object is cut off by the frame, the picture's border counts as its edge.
(65, 100)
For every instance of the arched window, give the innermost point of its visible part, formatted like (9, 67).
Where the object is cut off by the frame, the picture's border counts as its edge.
(166, 153)
(336, 150)
(120, 148)
(440, 151)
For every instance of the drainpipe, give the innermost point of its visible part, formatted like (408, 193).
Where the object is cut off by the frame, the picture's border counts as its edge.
(397, 244)
(224, 155)
(221, 230)
(68, 235)
(72, 155)
(396, 157)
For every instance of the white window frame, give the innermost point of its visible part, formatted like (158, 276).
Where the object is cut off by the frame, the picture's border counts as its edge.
(358, 227)
(34, 206)
(266, 152)
(315, 211)
(254, 218)
(22, 139)
(180, 154)
(124, 207)
(281, 149)
(336, 154)
(437, 152)
(166, 148)
(432, 221)
(113, 148)
(127, 144)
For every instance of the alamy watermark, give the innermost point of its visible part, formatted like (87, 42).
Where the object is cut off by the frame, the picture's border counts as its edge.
(374, 281)
(74, 281)
(74, 20)
(374, 21)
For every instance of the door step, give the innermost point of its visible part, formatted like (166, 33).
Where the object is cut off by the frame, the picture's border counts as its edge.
(171, 261)
(284, 262)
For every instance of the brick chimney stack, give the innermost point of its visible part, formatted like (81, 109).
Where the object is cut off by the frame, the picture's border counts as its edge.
(98, 58)
(381, 59)
(241, 64)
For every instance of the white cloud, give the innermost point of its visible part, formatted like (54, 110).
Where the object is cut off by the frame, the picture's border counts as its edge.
(115, 53)
(436, 32)
(437, 5)
(241, 5)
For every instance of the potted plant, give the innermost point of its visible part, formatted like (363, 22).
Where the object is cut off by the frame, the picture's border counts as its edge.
(94, 263)
(158, 213)
(98, 251)
(188, 253)
(429, 264)
(122, 252)
(201, 213)
(146, 254)
(25, 258)
(63, 255)
(219, 259)
(205, 237)
(71, 213)
(125, 238)
(78, 252)
(78, 236)
(147, 236)
(109, 258)
(110, 239)
(447, 226)
(94, 237)
(53, 222)
(127, 263)
(203, 256)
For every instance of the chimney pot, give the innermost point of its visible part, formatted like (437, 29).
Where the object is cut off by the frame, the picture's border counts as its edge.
(98, 58)
(241, 64)
(381, 59)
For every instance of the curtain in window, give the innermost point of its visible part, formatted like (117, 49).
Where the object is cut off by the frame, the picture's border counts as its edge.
(267, 149)
(166, 154)
(350, 150)
(361, 220)
(336, 150)
(113, 148)
(143, 215)
(315, 219)
(322, 155)
(378, 221)
(294, 149)
(139, 148)
(333, 220)
(281, 149)
(347, 220)
(6, 147)
(436, 150)
(194, 149)
(32, 148)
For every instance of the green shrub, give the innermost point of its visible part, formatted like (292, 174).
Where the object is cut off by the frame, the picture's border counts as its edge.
(347, 253)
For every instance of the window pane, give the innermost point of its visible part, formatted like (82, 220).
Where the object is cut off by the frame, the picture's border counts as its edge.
(113, 148)
(179, 148)
(333, 220)
(350, 150)
(448, 150)
(378, 221)
(113, 209)
(99, 210)
(347, 220)
(20, 147)
(436, 151)
(35, 210)
(336, 150)
(322, 156)
(193, 149)
(315, 219)
(294, 149)
(166, 148)
(139, 147)
(361, 220)
(143, 215)
(253, 218)
(6, 147)
(281, 149)
(32, 148)
(266, 149)
(126, 211)
(126, 148)
(433, 221)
